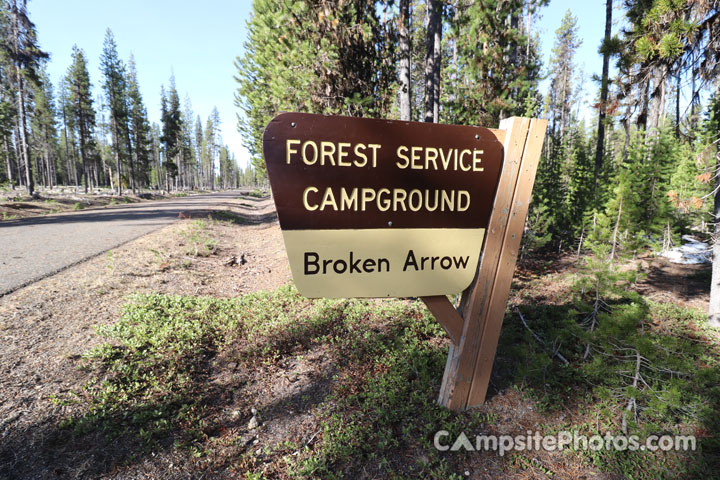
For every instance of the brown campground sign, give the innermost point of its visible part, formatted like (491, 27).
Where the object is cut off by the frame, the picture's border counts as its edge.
(380, 208)
(377, 208)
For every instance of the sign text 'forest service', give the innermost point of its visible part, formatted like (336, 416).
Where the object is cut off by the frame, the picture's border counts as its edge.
(379, 208)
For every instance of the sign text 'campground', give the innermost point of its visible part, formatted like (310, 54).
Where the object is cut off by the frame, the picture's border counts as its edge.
(376, 208)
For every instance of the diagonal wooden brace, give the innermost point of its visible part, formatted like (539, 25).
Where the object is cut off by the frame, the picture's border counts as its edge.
(475, 330)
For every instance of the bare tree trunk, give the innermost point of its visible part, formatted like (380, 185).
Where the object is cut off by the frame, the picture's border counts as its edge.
(25, 152)
(600, 148)
(694, 103)
(131, 156)
(118, 165)
(48, 169)
(657, 97)
(677, 105)
(96, 174)
(69, 154)
(404, 33)
(67, 150)
(74, 166)
(437, 63)
(714, 307)
(644, 102)
(434, 11)
(83, 156)
(8, 161)
(616, 230)
(22, 120)
(156, 158)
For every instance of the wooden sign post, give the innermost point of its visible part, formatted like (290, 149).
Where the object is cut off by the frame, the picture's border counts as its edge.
(378, 208)
(482, 308)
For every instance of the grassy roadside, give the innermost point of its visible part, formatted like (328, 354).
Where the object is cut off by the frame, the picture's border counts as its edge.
(17, 204)
(347, 389)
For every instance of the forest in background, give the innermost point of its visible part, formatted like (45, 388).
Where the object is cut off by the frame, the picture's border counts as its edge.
(72, 134)
(638, 175)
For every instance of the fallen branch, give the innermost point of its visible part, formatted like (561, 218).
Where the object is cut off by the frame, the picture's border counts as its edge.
(540, 340)
(631, 406)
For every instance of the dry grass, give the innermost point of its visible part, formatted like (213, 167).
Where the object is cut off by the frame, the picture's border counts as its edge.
(46, 328)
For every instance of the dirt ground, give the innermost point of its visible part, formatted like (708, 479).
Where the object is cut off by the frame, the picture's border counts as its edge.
(46, 327)
(15, 204)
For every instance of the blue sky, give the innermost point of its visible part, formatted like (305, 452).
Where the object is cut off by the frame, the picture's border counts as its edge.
(198, 42)
(591, 29)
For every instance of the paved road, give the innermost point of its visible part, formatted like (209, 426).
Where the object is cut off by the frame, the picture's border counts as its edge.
(33, 248)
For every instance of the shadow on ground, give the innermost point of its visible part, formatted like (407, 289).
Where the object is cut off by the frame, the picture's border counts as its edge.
(346, 390)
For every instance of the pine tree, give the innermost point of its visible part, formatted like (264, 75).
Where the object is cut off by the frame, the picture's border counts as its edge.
(562, 94)
(20, 48)
(81, 111)
(8, 110)
(67, 140)
(190, 157)
(171, 117)
(713, 128)
(139, 128)
(405, 94)
(199, 146)
(608, 48)
(559, 196)
(115, 88)
(433, 60)
(662, 39)
(225, 167)
(157, 175)
(211, 147)
(44, 129)
(314, 57)
(580, 184)
(7, 120)
(497, 62)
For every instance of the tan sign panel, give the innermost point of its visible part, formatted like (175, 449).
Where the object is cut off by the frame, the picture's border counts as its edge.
(377, 208)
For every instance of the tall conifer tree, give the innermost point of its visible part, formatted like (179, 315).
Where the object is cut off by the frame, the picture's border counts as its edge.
(314, 57)
(20, 48)
(44, 129)
(139, 127)
(171, 129)
(81, 109)
(115, 88)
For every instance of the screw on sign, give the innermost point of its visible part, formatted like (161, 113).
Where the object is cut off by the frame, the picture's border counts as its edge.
(381, 208)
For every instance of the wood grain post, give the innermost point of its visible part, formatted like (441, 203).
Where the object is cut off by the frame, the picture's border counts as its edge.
(471, 355)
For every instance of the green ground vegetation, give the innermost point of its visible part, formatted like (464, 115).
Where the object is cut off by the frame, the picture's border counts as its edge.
(376, 411)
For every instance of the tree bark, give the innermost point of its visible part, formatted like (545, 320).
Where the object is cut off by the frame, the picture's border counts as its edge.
(602, 112)
(29, 181)
(131, 156)
(677, 105)
(644, 102)
(118, 165)
(83, 154)
(616, 229)
(657, 97)
(694, 103)
(404, 33)
(437, 65)
(22, 120)
(714, 307)
(8, 161)
(432, 72)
